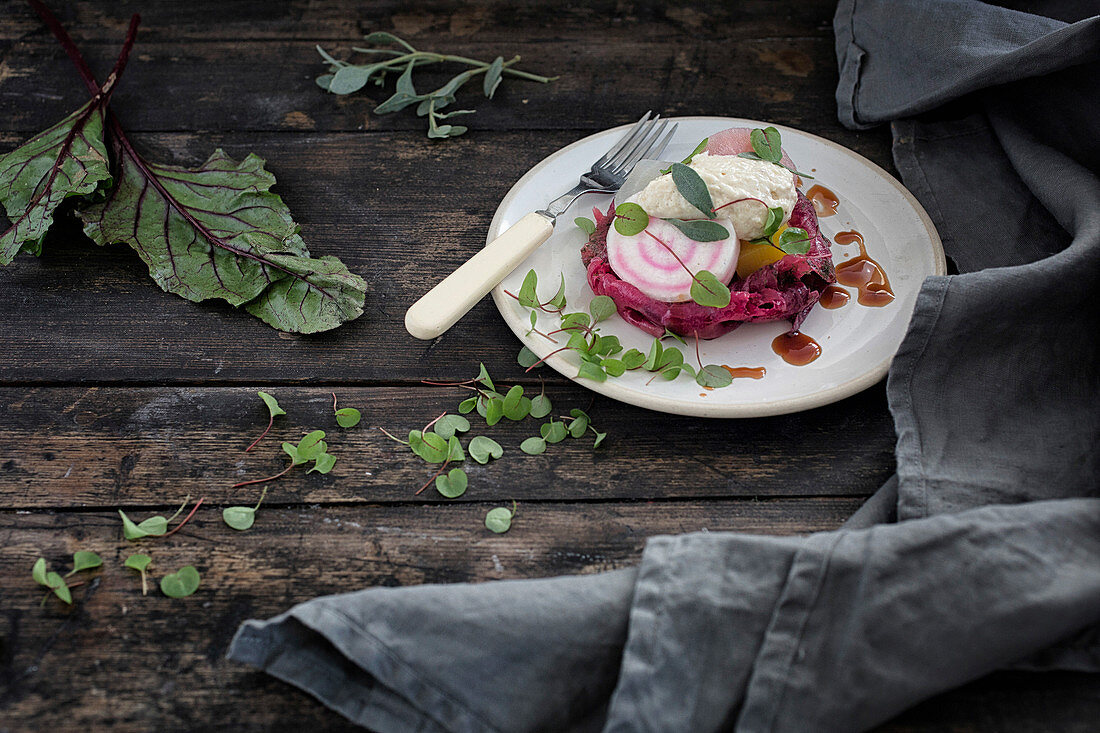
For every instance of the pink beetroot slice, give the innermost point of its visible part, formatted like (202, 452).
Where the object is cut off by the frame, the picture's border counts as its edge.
(786, 289)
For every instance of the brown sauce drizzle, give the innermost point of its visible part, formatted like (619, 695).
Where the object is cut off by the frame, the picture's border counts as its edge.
(750, 372)
(824, 200)
(796, 348)
(863, 273)
(833, 297)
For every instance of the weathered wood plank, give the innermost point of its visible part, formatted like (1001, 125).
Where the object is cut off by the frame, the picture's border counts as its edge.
(232, 86)
(599, 21)
(395, 209)
(119, 659)
(108, 448)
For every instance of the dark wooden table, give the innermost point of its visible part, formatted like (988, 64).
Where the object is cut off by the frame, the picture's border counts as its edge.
(115, 395)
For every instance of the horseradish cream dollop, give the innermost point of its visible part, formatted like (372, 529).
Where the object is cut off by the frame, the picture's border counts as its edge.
(729, 178)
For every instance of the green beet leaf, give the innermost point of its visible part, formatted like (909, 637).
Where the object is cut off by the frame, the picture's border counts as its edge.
(693, 188)
(633, 359)
(68, 159)
(601, 307)
(708, 290)
(239, 517)
(595, 372)
(713, 375)
(586, 225)
(492, 76)
(448, 425)
(218, 232)
(312, 445)
(139, 563)
(151, 527)
(540, 406)
(794, 241)
(766, 144)
(468, 405)
(452, 484)
(272, 404)
(57, 584)
(533, 446)
(483, 449)
(630, 219)
(553, 431)
(527, 358)
(85, 560)
(528, 295)
(323, 463)
(181, 583)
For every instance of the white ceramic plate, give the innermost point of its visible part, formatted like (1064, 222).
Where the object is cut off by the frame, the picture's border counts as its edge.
(857, 342)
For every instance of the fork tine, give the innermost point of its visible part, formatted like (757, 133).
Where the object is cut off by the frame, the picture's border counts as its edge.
(644, 147)
(616, 161)
(660, 148)
(626, 139)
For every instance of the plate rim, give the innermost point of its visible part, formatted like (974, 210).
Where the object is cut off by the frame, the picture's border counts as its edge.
(679, 407)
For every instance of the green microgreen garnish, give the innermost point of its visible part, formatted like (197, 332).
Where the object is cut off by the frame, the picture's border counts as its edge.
(533, 446)
(484, 449)
(312, 447)
(157, 525)
(499, 520)
(140, 563)
(273, 410)
(586, 225)
(708, 290)
(525, 358)
(346, 417)
(447, 425)
(774, 220)
(345, 78)
(452, 484)
(82, 560)
(701, 230)
(242, 517)
(794, 241)
(766, 146)
(630, 218)
(181, 583)
(693, 188)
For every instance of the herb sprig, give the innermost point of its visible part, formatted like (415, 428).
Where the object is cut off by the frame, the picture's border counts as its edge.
(345, 78)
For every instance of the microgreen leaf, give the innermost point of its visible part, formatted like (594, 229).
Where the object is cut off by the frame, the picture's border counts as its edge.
(181, 583)
(492, 76)
(599, 438)
(713, 375)
(429, 446)
(468, 405)
(794, 241)
(84, 560)
(38, 571)
(483, 376)
(239, 517)
(601, 307)
(533, 446)
(272, 404)
(671, 335)
(527, 358)
(613, 367)
(512, 399)
(630, 219)
(708, 290)
(586, 224)
(151, 527)
(653, 361)
(528, 297)
(633, 359)
(291, 450)
(540, 406)
(774, 220)
(323, 463)
(693, 188)
(454, 450)
(499, 520)
(595, 372)
(482, 449)
(558, 301)
(701, 230)
(521, 410)
(139, 563)
(347, 417)
(452, 484)
(449, 424)
(766, 144)
(312, 445)
(698, 149)
(494, 411)
(574, 321)
(553, 431)
(607, 346)
(57, 584)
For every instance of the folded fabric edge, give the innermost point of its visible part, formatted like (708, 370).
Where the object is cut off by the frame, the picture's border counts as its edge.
(849, 60)
(323, 653)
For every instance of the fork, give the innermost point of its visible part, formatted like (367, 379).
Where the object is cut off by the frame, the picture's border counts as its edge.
(442, 306)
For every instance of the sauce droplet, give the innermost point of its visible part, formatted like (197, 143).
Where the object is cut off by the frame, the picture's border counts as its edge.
(796, 348)
(833, 297)
(824, 200)
(704, 394)
(864, 273)
(749, 372)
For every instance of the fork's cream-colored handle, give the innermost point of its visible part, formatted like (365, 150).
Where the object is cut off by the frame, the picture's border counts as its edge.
(460, 291)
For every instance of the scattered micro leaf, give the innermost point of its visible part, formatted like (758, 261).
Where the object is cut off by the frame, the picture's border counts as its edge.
(613, 367)
(454, 450)
(493, 76)
(580, 424)
(701, 230)
(181, 583)
(540, 406)
(574, 321)
(774, 220)
(499, 520)
(527, 358)
(601, 307)
(599, 438)
(482, 449)
(483, 377)
(323, 463)
(468, 405)
(586, 224)
(693, 188)
(533, 446)
(633, 359)
(38, 571)
(595, 372)
(708, 290)
(60, 589)
(630, 219)
(140, 563)
(494, 410)
(312, 445)
(452, 484)
(449, 424)
(429, 446)
(553, 431)
(528, 295)
(273, 410)
(151, 527)
(242, 517)
(713, 376)
(291, 450)
(84, 560)
(794, 241)
(346, 417)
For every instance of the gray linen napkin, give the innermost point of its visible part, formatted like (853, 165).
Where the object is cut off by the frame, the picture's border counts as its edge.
(994, 396)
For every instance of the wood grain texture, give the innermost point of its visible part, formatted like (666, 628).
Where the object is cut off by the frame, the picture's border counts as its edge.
(107, 448)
